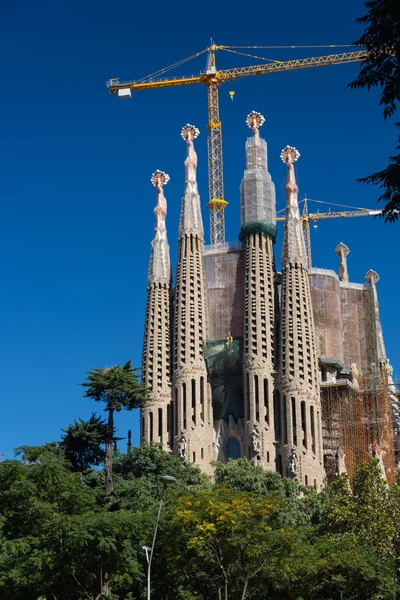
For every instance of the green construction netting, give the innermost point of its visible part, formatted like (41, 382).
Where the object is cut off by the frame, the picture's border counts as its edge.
(257, 227)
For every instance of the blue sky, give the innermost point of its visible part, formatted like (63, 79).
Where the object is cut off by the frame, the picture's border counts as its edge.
(75, 163)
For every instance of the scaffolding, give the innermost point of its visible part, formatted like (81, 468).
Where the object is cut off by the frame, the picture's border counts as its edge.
(356, 418)
(225, 296)
(325, 297)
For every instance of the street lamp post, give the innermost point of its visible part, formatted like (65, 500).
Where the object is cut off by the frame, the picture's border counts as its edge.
(165, 480)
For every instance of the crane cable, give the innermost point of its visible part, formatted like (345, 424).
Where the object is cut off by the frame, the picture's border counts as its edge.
(165, 69)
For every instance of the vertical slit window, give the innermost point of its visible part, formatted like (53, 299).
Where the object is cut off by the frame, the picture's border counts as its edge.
(194, 457)
(168, 416)
(160, 423)
(194, 401)
(319, 438)
(171, 431)
(248, 396)
(294, 421)
(312, 429)
(304, 423)
(143, 428)
(176, 412)
(279, 464)
(184, 404)
(285, 423)
(257, 396)
(266, 400)
(277, 415)
(202, 398)
(151, 426)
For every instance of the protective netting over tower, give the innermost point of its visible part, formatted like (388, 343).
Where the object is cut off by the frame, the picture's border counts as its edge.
(356, 417)
(325, 295)
(357, 328)
(257, 190)
(225, 300)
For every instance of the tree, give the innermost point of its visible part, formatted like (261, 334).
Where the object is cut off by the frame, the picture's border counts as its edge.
(83, 443)
(381, 69)
(117, 388)
(222, 541)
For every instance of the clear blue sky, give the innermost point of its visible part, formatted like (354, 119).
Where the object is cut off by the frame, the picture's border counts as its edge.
(75, 162)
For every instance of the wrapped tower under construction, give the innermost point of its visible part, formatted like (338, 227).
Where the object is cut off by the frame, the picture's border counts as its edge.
(287, 368)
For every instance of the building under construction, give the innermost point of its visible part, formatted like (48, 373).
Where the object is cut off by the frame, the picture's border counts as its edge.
(286, 368)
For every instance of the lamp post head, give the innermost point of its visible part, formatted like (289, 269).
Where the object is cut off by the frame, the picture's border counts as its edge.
(142, 548)
(167, 479)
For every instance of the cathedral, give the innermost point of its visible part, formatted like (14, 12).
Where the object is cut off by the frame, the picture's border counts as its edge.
(287, 368)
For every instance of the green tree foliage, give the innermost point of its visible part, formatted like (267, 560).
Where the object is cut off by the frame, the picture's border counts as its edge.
(381, 69)
(83, 443)
(118, 388)
(246, 535)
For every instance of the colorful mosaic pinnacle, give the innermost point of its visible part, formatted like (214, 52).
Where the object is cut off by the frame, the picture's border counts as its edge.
(255, 120)
(290, 154)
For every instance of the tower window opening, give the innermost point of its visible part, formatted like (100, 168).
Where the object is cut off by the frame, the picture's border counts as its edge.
(266, 401)
(194, 401)
(294, 420)
(257, 396)
(151, 426)
(194, 457)
(202, 453)
(143, 428)
(176, 412)
(184, 404)
(306, 479)
(277, 414)
(202, 398)
(160, 423)
(304, 423)
(312, 428)
(279, 466)
(285, 423)
(248, 396)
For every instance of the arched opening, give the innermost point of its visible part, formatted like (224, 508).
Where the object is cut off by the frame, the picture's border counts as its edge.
(233, 449)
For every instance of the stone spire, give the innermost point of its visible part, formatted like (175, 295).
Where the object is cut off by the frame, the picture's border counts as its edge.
(342, 251)
(156, 373)
(379, 353)
(191, 407)
(159, 266)
(190, 219)
(257, 190)
(293, 250)
(258, 216)
(299, 428)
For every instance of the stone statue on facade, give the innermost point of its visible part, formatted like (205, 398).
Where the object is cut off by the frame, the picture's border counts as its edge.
(255, 439)
(354, 375)
(182, 447)
(377, 453)
(340, 461)
(293, 463)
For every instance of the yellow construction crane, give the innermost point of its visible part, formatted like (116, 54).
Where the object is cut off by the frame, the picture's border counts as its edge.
(308, 217)
(212, 78)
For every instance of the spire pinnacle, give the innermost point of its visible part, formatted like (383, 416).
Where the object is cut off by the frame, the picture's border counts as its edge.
(189, 133)
(342, 251)
(159, 267)
(255, 120)
(190, 221)
(293, 246)
(159, 179)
